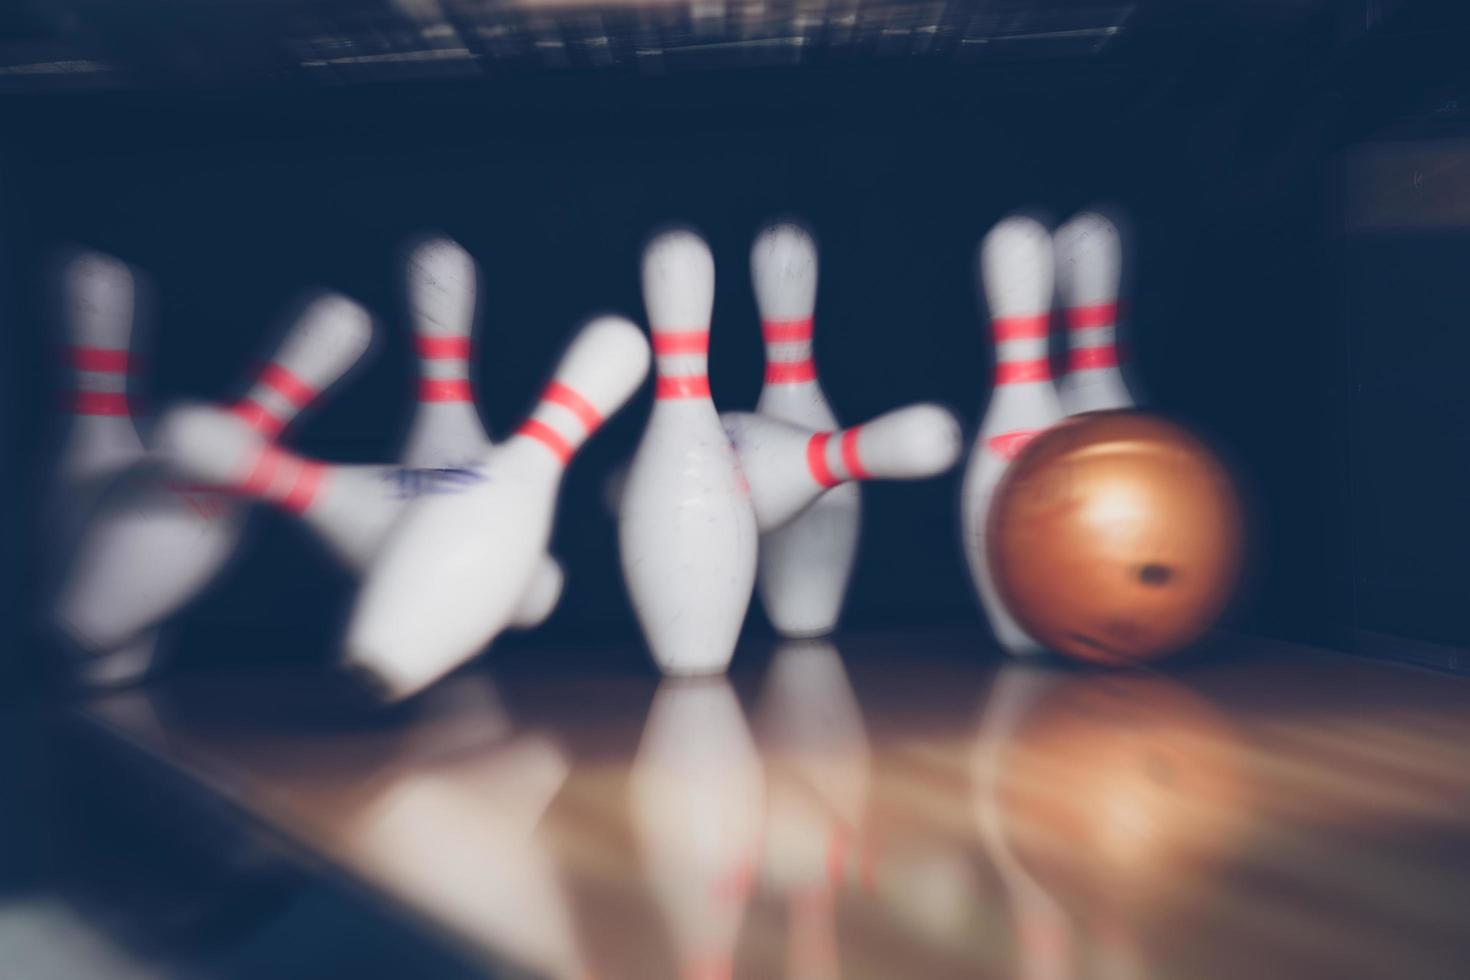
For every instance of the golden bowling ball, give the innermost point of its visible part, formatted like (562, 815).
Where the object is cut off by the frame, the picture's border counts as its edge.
(1115, 537)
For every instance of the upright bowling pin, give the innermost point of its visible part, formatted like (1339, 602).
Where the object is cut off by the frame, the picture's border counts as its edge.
(156, 542)
(697, 801)
(98, 308)
(804, 567)
(791, 468)
(446, 430)
(686, 529)
(350, 507)
(1089, 259)
(1016, 272)
(457, 566)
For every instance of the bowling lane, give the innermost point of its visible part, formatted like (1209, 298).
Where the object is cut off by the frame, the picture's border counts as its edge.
(899, 804)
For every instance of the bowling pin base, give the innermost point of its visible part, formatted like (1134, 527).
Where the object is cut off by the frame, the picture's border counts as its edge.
(123, 667)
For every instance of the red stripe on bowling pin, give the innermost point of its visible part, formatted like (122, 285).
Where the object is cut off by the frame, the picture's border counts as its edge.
(1088, 317)
(681, 343)
(297, 393)
(563, 447)
(441, 350)
(104, 361)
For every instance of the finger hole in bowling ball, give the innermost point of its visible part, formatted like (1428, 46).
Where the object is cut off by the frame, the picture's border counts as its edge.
(1155, 574)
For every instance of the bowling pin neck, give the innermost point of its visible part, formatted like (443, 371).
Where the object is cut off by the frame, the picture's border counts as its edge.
(1092, 337)
(789, 351)
(1020, 350)
(275, 398)
(834, 457)
(562, 422)
(444, 372)
(291, 482)
(100, 382)
(681, 359)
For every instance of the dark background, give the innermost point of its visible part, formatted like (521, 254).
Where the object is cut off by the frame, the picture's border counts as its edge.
(1255, 317)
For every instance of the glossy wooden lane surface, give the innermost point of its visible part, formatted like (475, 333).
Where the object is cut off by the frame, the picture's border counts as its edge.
(885, 806)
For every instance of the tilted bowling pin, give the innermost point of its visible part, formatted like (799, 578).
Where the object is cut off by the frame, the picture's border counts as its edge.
(790, 468)
(1089, 261)
(804, 568)
(156, 542)
(446, 430)
(1016, 272)
(351, 507)
(686, 530)
(457, 566)
(697, 803)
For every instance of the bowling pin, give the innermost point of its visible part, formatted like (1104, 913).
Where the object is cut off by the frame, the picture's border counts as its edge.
(446, 433)
(446, 430)
(98, 307)
(156, 542)
(101, 441)
(351, 508)
(803, 568)
(1016, 273)
(1089, 263)
(697, 803)
(457, 565)
(686, 529)
(791, 468)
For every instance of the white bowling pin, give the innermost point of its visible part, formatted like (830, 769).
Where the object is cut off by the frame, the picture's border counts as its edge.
(446, 430)
(156, 541)
(791, 468)
(804, 568)
(351, 507)
(457, 565)
(686, 529)
(1016, 272)
(98, 308)
(697, 800)
(1089, 266)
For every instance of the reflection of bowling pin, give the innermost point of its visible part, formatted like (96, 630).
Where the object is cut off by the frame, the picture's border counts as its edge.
(686, 530)
(804, 567)
(98, 306)
(696, 800)
(1089, 259)
(788, 467)
(457, 566)
(1016, 270)
(461, 837)
(1044, 932)
(350, 507)
(154, 543)
(446, 430)
(817, 764)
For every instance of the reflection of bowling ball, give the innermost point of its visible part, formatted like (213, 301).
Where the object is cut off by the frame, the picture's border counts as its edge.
(1115, 537)
(1120, 788)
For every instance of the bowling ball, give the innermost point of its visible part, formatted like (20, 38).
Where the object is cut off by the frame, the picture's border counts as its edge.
(1120, 789)
(1115, 537)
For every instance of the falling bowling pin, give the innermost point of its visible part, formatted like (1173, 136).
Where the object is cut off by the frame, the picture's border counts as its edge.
(1089, 264)
(804, 567)
(156, 541)
(686, 529)
(790, 469)
(457, 566)
(1016, 273)
(350, 507)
